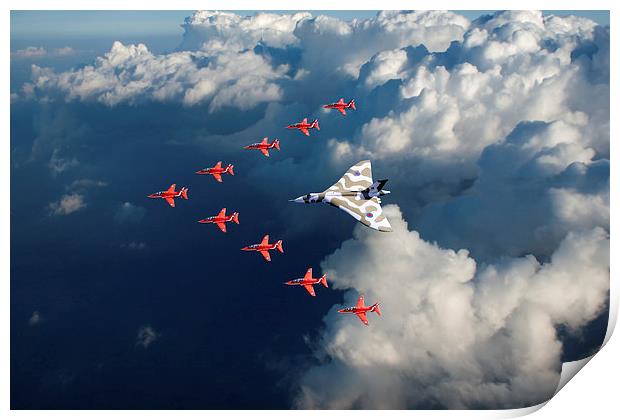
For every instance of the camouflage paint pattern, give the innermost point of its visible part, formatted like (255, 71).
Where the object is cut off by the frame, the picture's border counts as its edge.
(350, 194)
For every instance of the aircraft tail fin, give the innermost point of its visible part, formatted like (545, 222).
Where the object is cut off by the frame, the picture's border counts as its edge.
(235, 217)
(184, 191)
(230, 168)
(324, 280)
(375, 189)
(279, 246)
(315, 124)
(276, 144)
(375, 308)
(351, 104)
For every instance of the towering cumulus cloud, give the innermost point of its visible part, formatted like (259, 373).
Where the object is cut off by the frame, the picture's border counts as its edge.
(211, 31)
(451, 334)
(495, 136)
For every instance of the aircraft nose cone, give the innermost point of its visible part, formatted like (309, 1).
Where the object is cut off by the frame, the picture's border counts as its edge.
(298, 199)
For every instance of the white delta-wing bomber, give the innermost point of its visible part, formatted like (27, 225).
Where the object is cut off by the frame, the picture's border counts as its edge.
(356, 194)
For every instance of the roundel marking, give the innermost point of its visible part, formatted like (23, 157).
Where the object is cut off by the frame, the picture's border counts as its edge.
(357, 173)
(369, 214)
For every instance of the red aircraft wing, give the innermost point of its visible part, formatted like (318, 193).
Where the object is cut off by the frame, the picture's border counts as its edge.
(222, 213)
(342, 111)
(362, 317)
(265, 152)
(172, 188)
(305, 131)
(217, 177)
(265, 240)
(218, 165)
(170, 201)
(308, 275)
(310, 289)
(222, 226)
(341, 101)
(266, 255)
(360, 302)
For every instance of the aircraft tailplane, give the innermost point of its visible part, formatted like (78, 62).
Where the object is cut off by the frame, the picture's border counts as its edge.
(324, 280)
(375, 188)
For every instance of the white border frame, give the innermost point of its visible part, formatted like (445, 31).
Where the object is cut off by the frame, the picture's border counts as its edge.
(593, 394)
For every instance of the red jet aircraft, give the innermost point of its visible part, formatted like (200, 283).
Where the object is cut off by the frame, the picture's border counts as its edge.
(341, 106)
(264, 247)
(304, 126)
(217, 171)
(264, 146)
(221, 219)
(360, 310)
(308, 281)
(170, 194)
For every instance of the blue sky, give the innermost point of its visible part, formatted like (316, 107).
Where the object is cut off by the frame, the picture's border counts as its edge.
(497, 155)
(70, 24)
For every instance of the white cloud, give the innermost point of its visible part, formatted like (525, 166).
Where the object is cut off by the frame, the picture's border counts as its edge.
(451, 334)
(448, 107)
(132, 74)
(217, 64)
(129, 213)
(30, 52)
(68, 203)
(330, 44)
(532, 189)
(34, 319)
(134, 246)
(146, 336)
(510, 107)
(75, 198)
(64, 51)
(58, 164)
(213, 31)
(85, 184)
(35, 52)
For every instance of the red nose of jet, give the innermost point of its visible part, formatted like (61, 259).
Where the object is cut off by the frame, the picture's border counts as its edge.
(246, 248)
(152, 196)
